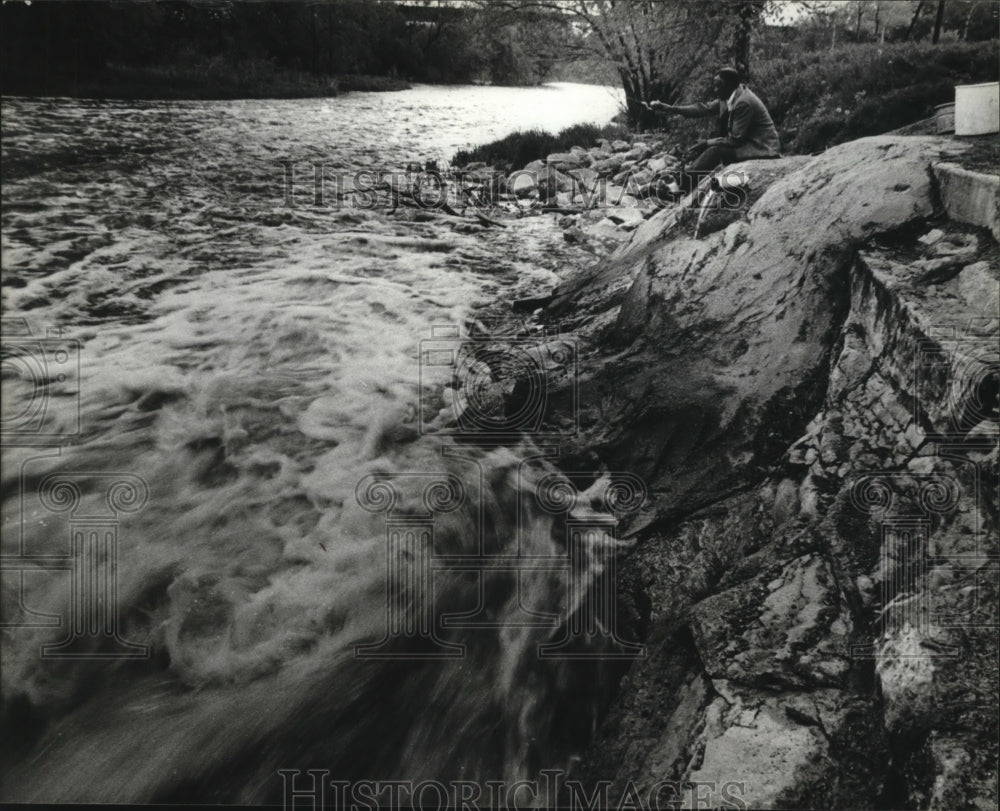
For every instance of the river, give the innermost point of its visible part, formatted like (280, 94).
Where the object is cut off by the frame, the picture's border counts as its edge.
(212, 384)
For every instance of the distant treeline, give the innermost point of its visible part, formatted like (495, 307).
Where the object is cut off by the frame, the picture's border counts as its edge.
(56, 47)
(653, 49)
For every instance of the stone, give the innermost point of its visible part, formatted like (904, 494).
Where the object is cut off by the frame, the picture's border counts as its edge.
(786, 501)
(906, 675)
(713, 364)
(641, 176)
(561, 160)
(626, 218)
(523, 184)
(552, 179)
(609, 166)
(960, 245)
(586, 177)
(758, 763)
(979, 286)
(933, 268)
(792, 630)
(921, 465)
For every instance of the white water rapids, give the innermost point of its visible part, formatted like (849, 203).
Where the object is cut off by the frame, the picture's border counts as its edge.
(249, 363)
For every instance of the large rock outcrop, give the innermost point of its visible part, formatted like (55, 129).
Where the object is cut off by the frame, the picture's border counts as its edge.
(811, 397)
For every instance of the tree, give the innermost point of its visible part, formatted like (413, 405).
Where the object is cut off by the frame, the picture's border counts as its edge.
(913, 21)
(938, 20)
(749, 16)
(655, 46)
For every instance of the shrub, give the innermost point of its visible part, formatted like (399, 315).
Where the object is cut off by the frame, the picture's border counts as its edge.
(823, 97)
(519, 148)
(371, 84)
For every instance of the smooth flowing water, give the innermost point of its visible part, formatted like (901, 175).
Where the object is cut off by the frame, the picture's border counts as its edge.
(215, 387)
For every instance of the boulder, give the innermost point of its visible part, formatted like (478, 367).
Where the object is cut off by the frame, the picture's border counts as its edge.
(626, 218)
(523, 184)
(554, 180)
(662, 162)
(638, 152)
(586, 177)
(640, 177)
(609, 166)
(979, 286)
(564, 160)
(774, 280)
(812, 574)
(621, 177)
(788, 627)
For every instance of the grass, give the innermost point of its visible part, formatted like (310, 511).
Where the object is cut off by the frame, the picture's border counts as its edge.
(823, 97)
(520, 148)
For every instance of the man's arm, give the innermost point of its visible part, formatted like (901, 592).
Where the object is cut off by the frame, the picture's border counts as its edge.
(700, 110)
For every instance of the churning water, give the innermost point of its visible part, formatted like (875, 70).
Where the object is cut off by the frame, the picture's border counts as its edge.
(217, 387)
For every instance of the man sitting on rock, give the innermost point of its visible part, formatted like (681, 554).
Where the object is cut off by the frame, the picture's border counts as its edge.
(750, 130)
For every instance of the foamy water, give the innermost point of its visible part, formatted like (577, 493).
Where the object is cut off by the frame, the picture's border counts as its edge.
(250, 363)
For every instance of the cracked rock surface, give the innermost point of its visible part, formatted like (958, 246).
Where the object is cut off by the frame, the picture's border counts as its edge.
(811, 396)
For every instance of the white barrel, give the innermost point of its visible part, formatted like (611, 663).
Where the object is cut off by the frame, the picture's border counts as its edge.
(977, 108)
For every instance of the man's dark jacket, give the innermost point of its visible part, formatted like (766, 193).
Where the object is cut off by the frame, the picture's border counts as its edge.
(751, 131)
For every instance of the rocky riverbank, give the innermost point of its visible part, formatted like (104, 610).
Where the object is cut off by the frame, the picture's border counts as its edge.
(603, 193)
(608, 189)
(809, 390)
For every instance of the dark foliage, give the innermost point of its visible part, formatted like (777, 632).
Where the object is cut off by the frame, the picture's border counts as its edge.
(172, 48)
(520, 148)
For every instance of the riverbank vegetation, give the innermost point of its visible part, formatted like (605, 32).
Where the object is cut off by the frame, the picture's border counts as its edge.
(253, 49)
(828, 70)
(817, 97)
(524, 146)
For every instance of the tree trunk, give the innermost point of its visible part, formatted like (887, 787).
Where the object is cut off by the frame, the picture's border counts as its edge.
(968, 19)
(937, 21)
(743, 39)
(913, 21)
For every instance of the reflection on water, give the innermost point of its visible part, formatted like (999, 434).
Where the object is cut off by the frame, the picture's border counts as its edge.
(251, 363)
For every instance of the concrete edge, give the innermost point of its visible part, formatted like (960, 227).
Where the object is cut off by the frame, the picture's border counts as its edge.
(970, 197)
